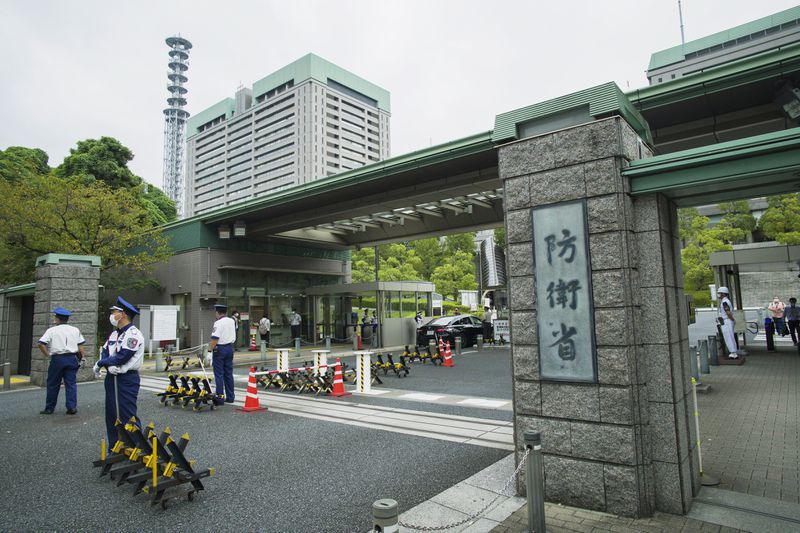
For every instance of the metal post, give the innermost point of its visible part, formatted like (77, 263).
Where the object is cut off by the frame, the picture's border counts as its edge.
(328, 342)
(7, 375)
(704, 369)
(713, 353)
(263, 350)
(479, 342)
(693, 362)
(160, 359)
(458, 345)
(385, 516)
(534, 482)
(432, 345)
(297, 346)
(355, 337)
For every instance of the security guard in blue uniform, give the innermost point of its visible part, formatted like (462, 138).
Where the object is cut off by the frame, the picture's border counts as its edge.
(122, 356)
(220, 352)
(63, 344)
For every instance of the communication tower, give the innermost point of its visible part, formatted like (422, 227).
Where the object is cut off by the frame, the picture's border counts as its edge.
(175, 117)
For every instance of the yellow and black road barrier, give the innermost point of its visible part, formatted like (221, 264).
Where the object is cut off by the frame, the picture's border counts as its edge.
(152, 464)
(185, 361)
(186, 389)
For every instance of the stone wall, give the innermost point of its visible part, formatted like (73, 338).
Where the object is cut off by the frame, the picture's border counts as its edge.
(620, 445)
(74, 287)
(758, 288)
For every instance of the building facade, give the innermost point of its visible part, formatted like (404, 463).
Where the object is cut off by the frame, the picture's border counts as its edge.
(309, 120)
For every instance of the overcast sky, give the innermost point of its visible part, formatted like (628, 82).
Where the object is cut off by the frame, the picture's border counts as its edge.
(79, 69)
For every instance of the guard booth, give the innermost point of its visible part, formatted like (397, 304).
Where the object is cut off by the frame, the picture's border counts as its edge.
(338, 310)
(16, 327)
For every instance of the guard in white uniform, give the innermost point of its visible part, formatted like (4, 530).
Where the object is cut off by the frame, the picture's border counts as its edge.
(726, 322)
(63, 344)
(220, 352)
(122, 356)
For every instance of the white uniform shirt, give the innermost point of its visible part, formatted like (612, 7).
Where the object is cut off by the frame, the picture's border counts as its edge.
(62, 338)
(121, 344)
(224, 330)
(294, 319)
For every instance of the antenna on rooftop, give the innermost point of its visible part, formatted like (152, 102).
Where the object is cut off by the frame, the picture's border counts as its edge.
(680, 15)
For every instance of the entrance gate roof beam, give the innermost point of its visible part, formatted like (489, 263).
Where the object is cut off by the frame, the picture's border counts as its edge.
(754, 166)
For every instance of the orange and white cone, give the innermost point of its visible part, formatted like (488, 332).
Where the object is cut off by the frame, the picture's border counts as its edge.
(448, 356)
(441, 347)
(338, 382)
(253, 343)
(251, 402)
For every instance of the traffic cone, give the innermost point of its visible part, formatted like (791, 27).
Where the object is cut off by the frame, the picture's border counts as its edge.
(251, 402)
(448, 356)
(441, 347)
(338, 382)
(253, 343)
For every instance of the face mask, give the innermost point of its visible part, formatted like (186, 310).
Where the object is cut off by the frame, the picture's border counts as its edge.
(113, 320)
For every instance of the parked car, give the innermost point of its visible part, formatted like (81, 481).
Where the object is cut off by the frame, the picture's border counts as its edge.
(448, 328)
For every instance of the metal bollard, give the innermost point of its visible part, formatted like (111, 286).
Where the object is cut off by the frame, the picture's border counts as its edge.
(159, 360)
(693, 362)
(263, 350)
(7, 376)
(385, 516)
(479, 342)
(355, 339)
(704, 369)
(713, 351)
(458, 345)
(432, 346)
(297, 346)
(534, 481)
(328, 342)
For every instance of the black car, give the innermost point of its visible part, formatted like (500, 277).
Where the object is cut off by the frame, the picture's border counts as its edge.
(448, 328)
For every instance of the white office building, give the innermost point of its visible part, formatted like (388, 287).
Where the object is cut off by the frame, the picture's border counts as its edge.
(309, 120)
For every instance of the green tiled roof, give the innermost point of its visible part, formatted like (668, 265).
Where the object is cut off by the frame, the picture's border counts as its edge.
(311, 66)
(224, 107)
(602, 100)
(678, 53)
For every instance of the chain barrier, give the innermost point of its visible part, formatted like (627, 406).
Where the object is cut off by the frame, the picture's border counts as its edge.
(185, 351)
(481, 512)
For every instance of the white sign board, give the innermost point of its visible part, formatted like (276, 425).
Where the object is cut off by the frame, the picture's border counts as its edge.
(164, 322)
(501, 327)
(564, 291)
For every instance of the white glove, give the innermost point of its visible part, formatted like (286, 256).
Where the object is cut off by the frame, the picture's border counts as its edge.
(96, 370)
(209, 359)
(114, 370)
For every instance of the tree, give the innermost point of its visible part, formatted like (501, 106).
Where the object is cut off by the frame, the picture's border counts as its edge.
(105, 160)
(462, 242)
(781, 219)
(736, 215)
(457, 273)
(47, 214)
(500, 237)
(429, 252)
(699, 242)
(20, 163)
(397, 263)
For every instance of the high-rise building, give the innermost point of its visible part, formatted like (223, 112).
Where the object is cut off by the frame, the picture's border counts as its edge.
(309, 120)
(175, 117)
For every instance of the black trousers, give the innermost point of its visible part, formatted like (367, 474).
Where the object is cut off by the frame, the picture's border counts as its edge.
(794, 329)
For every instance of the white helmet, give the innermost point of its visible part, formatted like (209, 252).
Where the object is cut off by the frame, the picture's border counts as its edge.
(723, 290)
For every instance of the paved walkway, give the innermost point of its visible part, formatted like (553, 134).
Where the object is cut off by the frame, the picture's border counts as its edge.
(750, 425)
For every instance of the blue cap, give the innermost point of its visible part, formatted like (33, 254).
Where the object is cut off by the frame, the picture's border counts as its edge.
(60, 311)
(222, 308)
(125, 307)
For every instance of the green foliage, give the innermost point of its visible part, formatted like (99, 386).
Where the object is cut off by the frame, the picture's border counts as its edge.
(20, 163)
(429, 251)
(781, 219)
(65, 215)
(737, 215)
(699, 242)
(462, 242)
(500, 237)
(457, 273)
(397, 263)
(105, 160)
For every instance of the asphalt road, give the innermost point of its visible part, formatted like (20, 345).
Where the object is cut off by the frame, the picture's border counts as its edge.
(274, 472)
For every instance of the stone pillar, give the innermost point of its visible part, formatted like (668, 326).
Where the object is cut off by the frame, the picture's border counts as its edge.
(619, 445)
(69, 281)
